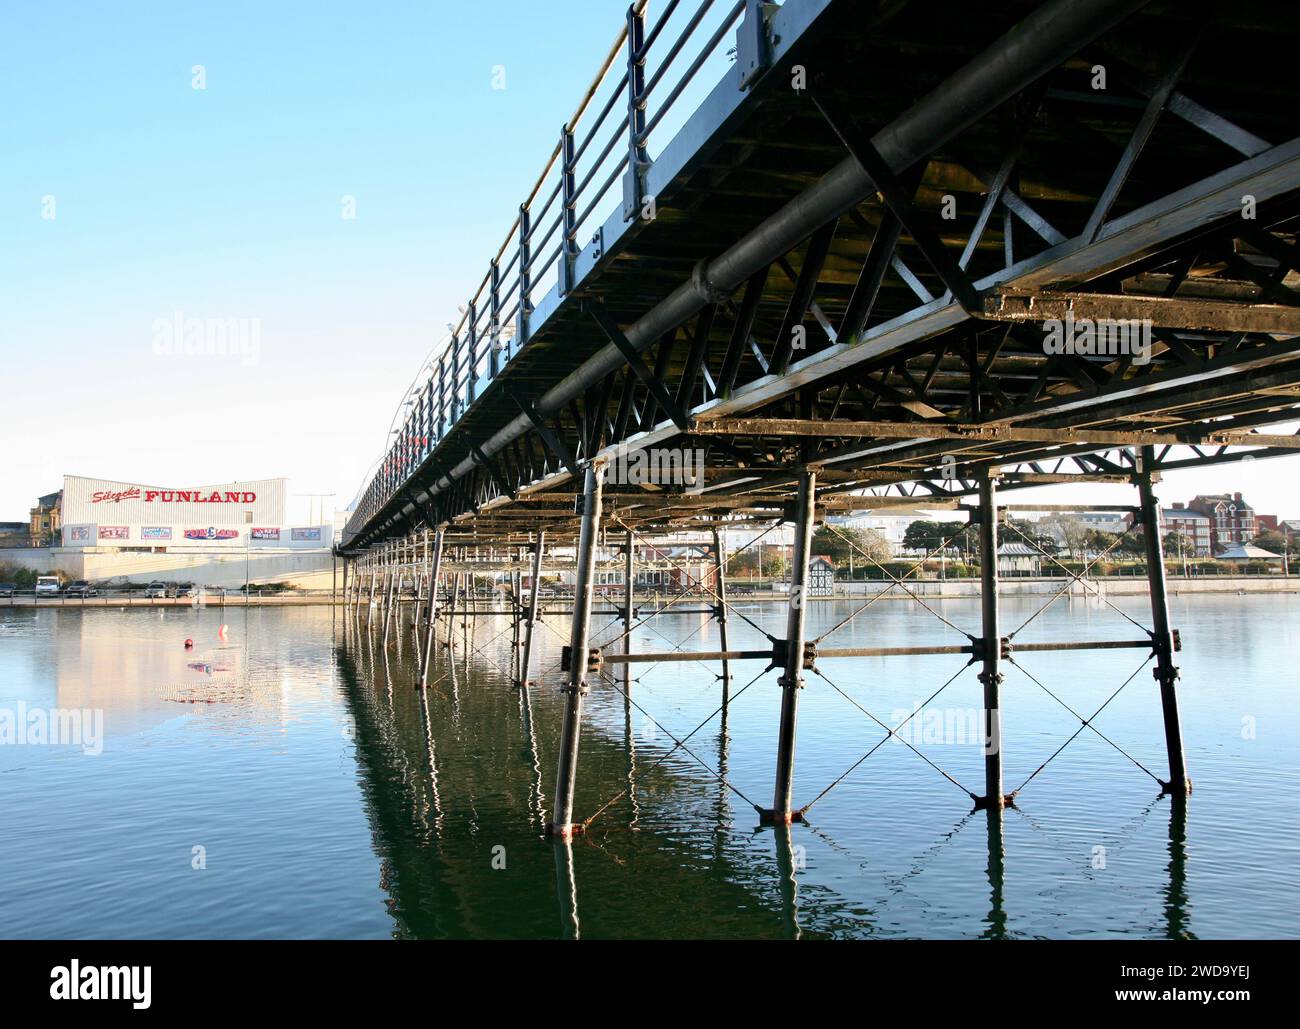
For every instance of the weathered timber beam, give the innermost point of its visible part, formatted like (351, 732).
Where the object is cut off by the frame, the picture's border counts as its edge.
(986, 432)
(1162, 312)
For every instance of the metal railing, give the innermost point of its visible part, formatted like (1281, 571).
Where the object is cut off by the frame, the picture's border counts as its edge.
(643, 79)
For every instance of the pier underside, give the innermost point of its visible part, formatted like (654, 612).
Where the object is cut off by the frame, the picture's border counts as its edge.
(909, 256)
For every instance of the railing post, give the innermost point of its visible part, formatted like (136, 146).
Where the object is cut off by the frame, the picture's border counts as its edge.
(455, 378)
(568, 212)
(471, 386)
(442, 395)
(752, 51)
(637, 159)
(1162, 637)
(494, 354)
(525, 307)
(579, 636)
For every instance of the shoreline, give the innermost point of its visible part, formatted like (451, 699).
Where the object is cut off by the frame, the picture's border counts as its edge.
(929, 589)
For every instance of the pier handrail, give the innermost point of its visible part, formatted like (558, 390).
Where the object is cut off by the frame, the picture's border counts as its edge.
(540, 248)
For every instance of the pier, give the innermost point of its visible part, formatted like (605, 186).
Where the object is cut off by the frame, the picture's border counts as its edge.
(901, 258)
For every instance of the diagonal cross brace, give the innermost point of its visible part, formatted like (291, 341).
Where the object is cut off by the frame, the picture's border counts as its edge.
(553, 442)
(859, 145)
(638, 366)
(494, 470)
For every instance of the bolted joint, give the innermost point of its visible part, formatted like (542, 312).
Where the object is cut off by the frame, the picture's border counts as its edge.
(1167, 675)
(780, 652)
(994, 678)
(595, 659)
(979, 651)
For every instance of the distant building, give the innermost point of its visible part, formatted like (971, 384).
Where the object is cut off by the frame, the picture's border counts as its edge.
(1194, 526)
(1115, 522)
(46, 519)
(821, 577)
(15, 534)
(1290, 528)
(1019, 559)
(892, 527)
(1242, 553)
(1232, 520)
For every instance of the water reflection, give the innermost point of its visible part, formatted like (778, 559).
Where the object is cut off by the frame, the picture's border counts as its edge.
(475, 720)
(442, 800)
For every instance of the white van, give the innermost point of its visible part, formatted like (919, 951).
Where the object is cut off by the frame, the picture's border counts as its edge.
(48, 585)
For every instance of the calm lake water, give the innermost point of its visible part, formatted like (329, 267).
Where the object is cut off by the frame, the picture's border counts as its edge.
(322, 796)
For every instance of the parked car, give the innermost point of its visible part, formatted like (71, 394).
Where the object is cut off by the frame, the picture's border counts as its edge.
(80, 588)
(48, 585)
(6, 589)
(155, 589)
(185, 589)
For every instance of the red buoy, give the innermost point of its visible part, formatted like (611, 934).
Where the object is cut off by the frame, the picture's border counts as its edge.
(189, 644)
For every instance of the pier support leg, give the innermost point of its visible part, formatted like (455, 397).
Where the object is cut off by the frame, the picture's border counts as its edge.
(720, 593)
(991, 673)
(629, 611)
(454, 593)
(388, 604)
(516, 612)
(531, 621)
(791, 681)
(431, 623)
(370, 601)
(576, 688)
(1162, 637)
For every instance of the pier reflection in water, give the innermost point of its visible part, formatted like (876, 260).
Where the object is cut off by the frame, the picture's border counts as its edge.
(335, 799)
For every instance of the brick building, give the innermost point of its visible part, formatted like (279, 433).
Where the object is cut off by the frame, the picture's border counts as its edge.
(1232, 520)
(1193, 525)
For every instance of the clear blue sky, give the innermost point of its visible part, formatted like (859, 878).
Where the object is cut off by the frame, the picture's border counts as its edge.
(225, 203)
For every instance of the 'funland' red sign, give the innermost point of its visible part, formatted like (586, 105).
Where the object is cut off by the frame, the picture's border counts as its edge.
(174, 496)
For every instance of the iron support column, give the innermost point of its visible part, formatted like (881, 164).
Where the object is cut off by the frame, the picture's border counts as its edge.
(431, 623)
(388, 603)
(1162, 637)
(791, 682)
(629, 576)
(991, 647)
(370, 600)
(533, 595)
(720, 591)
(562, 825)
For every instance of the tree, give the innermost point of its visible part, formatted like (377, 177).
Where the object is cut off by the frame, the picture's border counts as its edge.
(1099, 541)
(1073, 532)
(847, 546)
(1270, 540)
(1133, 543)
(1178, 545)
(929, 536)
